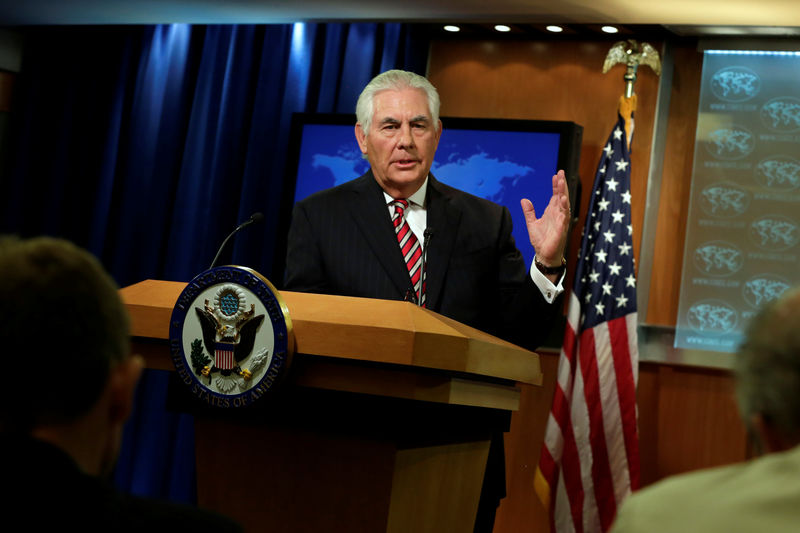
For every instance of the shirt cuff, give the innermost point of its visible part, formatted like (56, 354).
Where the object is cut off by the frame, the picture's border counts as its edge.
(549, 290)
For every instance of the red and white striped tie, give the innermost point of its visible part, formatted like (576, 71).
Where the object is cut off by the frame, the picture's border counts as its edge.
(409, 245)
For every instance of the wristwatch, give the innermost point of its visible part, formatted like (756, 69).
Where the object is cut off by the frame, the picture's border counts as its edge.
(548, 270)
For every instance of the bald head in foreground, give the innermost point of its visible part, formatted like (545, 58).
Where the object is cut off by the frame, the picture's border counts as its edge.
(762, 494)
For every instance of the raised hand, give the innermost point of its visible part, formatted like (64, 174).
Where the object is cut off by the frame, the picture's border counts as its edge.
(548, 234)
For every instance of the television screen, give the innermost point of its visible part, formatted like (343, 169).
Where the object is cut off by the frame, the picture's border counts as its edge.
(498, 159)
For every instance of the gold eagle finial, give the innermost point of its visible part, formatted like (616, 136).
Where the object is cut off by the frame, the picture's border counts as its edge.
(632, 54)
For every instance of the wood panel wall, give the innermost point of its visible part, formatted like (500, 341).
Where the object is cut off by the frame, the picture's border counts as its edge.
(673, 204)
(687, 415)
(549, 81)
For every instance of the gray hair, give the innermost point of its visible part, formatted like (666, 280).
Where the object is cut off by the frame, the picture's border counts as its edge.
(394, 80)
(768, 366)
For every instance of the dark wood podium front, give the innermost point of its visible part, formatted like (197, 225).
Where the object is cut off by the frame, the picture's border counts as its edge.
(383, 422)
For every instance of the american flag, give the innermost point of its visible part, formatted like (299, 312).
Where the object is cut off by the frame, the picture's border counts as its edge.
(590, 457)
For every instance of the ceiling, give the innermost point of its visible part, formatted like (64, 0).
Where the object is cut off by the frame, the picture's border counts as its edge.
(682, 17)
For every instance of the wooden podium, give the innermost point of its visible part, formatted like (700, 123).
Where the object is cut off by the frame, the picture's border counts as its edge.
(383, 422)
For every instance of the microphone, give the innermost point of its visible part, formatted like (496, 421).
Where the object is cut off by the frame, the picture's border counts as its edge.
(426, 237)
(255, 217)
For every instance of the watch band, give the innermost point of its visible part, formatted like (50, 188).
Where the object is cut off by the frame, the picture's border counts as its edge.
(549, 270)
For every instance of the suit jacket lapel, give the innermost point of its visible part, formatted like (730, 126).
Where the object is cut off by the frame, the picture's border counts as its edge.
(372, 218)
(443, 221)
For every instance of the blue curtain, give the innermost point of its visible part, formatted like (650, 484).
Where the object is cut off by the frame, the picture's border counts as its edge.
(147, 145)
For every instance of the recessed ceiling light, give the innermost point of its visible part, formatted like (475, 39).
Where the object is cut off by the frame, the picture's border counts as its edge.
(555, 29)
(609, 29)
(502, 27)
(452, 28)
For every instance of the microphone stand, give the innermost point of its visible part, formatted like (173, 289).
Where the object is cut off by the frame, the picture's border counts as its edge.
(426, 237)
(255, 217)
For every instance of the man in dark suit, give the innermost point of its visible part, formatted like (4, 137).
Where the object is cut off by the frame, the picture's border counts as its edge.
(68, 388)
(397, 233)
(345, 240)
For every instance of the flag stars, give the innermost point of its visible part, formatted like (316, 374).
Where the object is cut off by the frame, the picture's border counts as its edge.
(608, 150)
(606, 288)
(609, 235)
(630, 229)
(617, 134)
(594, 276)
(624, 249)
(630, 281)
(612, 184)
(626, 197)
(600, 308)
(621, 166)
(622, 301)
(615, 268)
(603, 204)
(601, 256)
(618, 215)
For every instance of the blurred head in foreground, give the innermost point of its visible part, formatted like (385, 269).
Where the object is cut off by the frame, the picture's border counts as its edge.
(64, 336)
(768, 374)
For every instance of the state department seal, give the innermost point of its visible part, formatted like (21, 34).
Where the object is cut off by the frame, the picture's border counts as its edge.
(230, 336)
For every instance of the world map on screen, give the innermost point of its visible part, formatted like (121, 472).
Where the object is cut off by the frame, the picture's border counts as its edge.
(500, 166)
(478, 172)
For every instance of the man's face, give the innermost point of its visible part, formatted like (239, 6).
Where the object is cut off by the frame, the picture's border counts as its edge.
(401, 142)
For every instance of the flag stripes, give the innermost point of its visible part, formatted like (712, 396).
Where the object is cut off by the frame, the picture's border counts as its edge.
(223, 356)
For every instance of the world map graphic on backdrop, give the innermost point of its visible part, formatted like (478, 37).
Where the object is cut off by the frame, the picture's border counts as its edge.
(743, 230)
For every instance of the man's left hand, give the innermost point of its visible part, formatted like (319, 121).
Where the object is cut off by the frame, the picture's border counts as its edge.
(548, 234)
